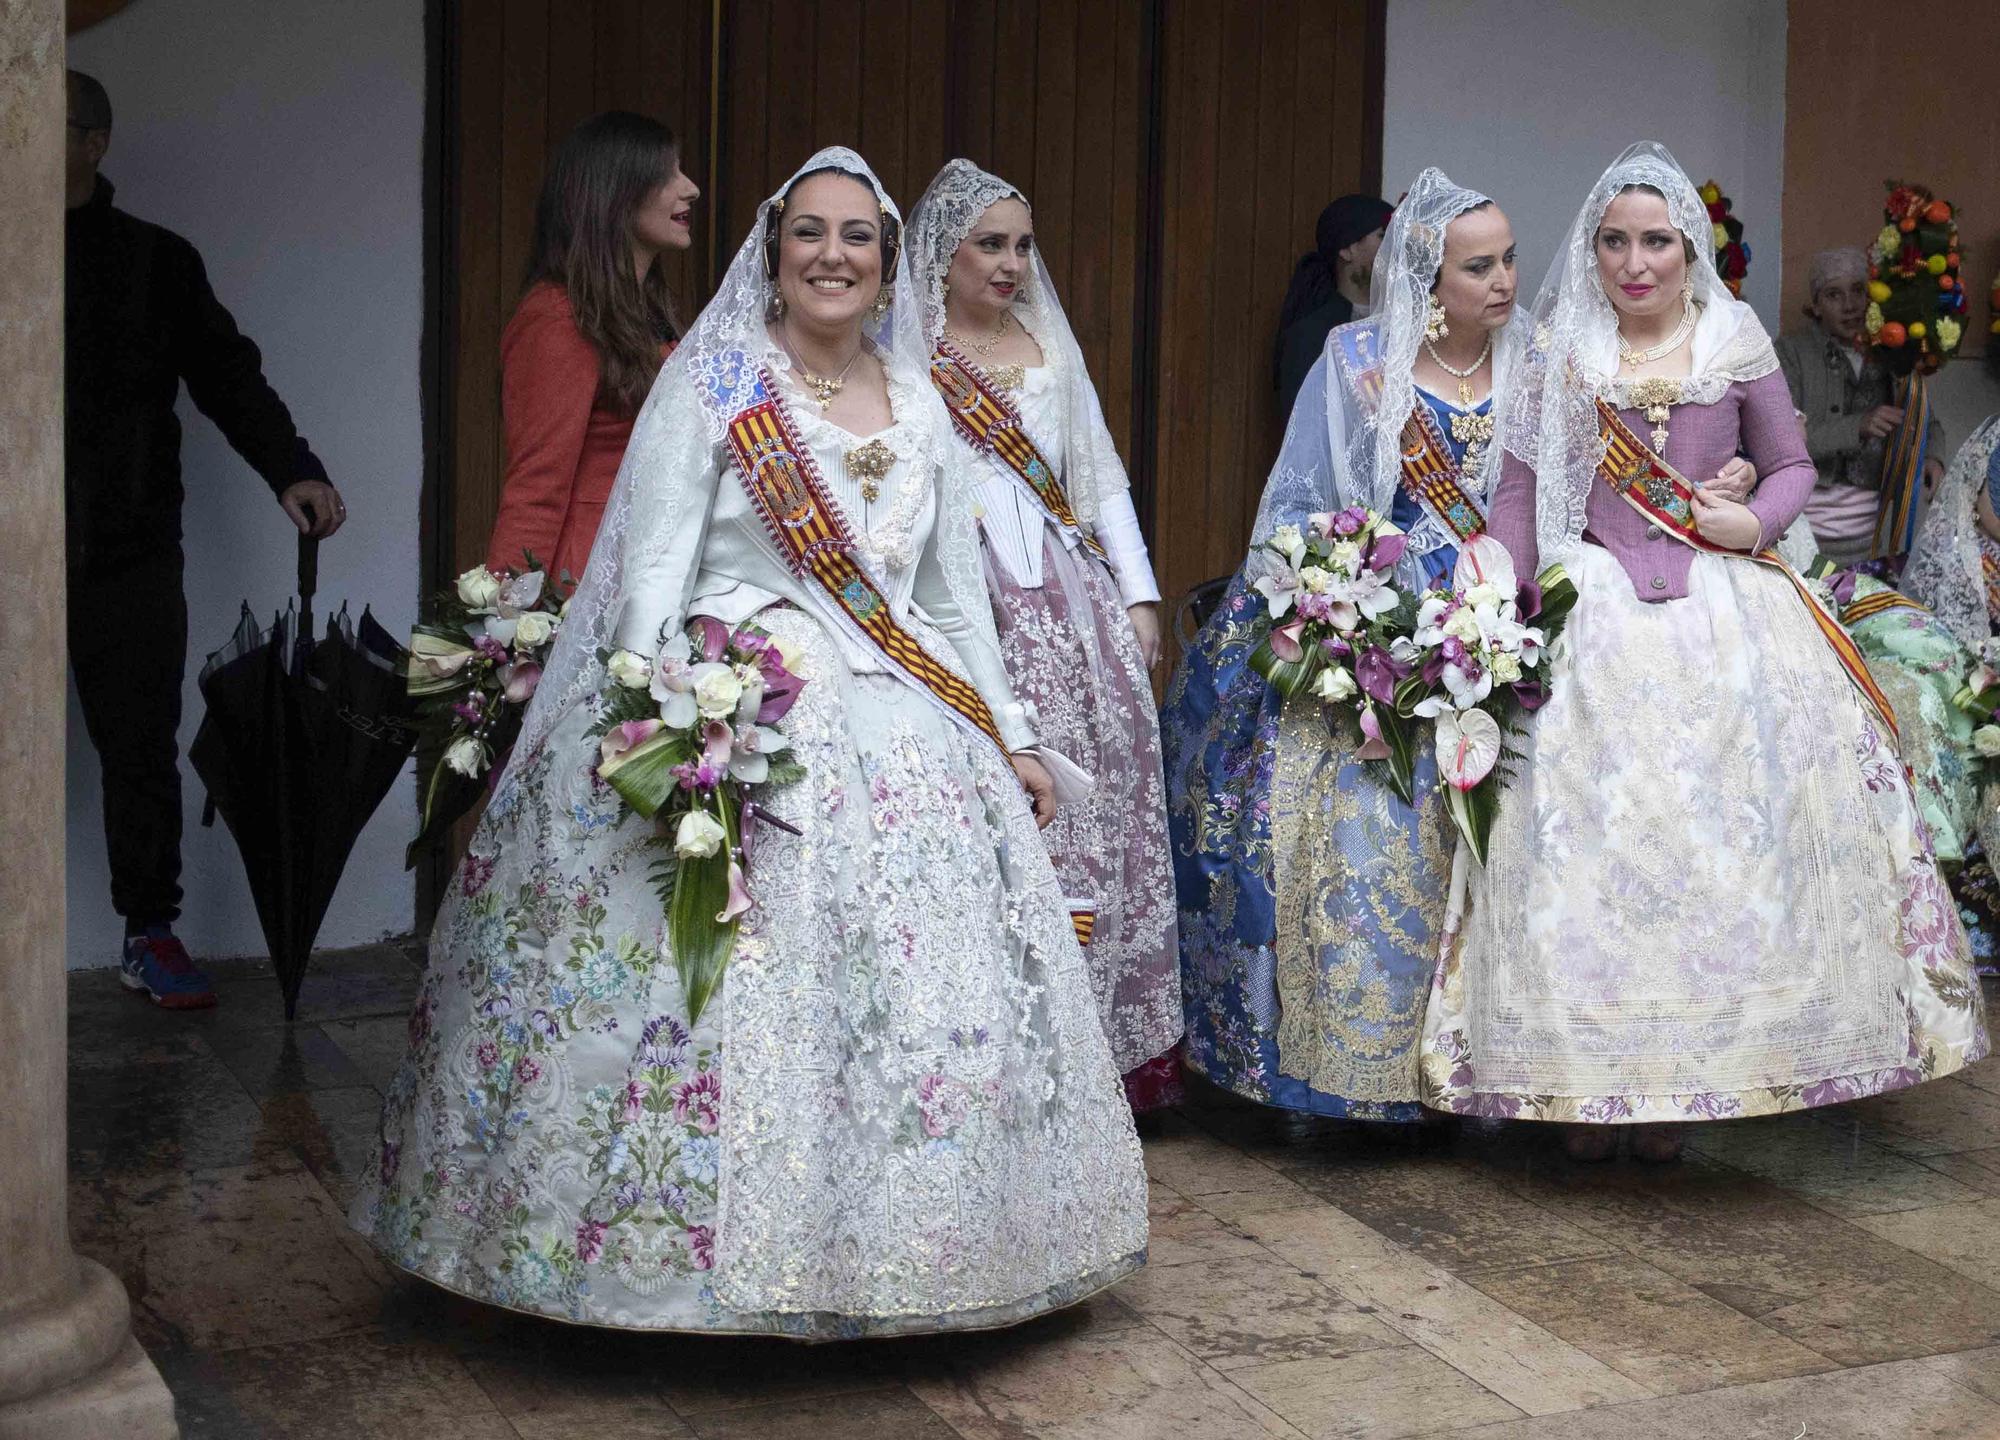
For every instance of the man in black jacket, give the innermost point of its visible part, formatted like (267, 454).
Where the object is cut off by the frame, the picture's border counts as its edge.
(140, 319)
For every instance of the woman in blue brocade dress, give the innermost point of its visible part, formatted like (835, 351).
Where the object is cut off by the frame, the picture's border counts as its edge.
(1311, 898)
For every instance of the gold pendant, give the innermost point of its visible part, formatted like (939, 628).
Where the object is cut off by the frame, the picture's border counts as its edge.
(870, 464)
(1465, 392)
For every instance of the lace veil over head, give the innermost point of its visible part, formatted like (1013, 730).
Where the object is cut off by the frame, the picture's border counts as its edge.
(1945, 571)
(958, 196)
(677, 455)
(1368, 401)
(1550, 415)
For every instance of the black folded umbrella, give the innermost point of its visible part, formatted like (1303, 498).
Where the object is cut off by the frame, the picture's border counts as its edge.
(301, 741)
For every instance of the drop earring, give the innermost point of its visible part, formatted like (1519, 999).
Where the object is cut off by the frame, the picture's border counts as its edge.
(1434, 326)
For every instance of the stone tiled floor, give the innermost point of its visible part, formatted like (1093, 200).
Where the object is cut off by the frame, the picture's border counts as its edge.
(1827, 1275)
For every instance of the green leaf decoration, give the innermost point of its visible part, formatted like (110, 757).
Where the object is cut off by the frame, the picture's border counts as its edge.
(1287, 677)
(701, 946)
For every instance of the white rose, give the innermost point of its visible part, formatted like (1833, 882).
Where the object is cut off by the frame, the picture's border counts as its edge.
(1986, 740)
(716, 690)
(1462, 625)
(1506, 668)
(534, 628)
(1482, 594)
(1334, 684)
(479, 588)
(1288, 540)
(1347, 557)
(699, 836)
(467, 756)
(1314, 579)
(634, 672)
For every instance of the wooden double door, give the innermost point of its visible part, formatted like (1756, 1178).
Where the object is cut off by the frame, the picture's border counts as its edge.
(1176, 153)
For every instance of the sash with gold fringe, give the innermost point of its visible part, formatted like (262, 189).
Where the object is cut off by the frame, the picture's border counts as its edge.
(992, 426)
(1903, 471)
(783, 482)
(1431, 476)
(1656, 490)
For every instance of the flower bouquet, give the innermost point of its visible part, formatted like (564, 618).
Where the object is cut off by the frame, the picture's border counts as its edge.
(1335, 614)
(1732, 255)
(1979, 697)
(1916, 299)
(473, 665)
(1474, 664)
(686, 742)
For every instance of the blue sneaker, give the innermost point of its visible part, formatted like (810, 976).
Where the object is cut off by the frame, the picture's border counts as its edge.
(158, 965)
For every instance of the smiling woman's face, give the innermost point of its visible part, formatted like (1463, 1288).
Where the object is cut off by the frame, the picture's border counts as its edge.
(830, 251)
(1642, 259)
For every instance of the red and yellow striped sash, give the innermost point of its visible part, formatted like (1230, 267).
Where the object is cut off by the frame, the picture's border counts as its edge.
(1903, 471)
(992, 426)
(1656, 490)
(783, 483)
(1431, 476)
(1875, 603)
(1083, 919)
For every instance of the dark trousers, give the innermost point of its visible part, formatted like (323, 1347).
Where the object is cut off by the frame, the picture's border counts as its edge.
(128, 633)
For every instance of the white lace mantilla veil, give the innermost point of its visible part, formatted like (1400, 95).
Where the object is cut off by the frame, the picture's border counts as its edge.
(959, 194)
(681, 429)
(1944, 572)
(1550, 414)
(1361, 463)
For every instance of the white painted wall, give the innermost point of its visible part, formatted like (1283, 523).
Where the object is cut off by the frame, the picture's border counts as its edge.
(1529, 100)
(285, 139)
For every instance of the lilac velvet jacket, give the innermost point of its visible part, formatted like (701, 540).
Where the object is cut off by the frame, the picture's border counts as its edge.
(1755, 414)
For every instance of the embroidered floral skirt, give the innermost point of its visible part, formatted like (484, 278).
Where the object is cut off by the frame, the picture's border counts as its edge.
(1709, 892)
(897, 1115)
(1311, 899)
(1071, 652)
(1920, 665)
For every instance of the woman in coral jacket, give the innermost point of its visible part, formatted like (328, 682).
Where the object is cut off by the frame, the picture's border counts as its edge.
(589, 334)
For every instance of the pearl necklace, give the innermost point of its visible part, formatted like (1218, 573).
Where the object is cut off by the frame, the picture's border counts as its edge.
(1635, 358)
(1464, 377)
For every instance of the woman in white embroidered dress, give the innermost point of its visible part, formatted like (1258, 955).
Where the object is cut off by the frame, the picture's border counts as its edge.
(1078, 628)
(898, 1112)
(1709, 893)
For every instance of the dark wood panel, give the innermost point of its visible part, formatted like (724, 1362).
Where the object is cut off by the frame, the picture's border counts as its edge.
(1268, 112)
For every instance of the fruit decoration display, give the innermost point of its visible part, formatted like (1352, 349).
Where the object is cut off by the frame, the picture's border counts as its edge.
(1732, 255)
(1916, 299)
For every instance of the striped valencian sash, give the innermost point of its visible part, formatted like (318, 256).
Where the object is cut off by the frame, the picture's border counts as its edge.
(1875, 603)
(992, 426)
(1432, 477)
(1656, 490)
(1903, 471)
(783, 482)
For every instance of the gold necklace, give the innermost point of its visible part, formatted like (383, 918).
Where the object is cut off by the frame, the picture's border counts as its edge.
(1464, 377)
(1636, 358)
(999, 334)
(824, 387)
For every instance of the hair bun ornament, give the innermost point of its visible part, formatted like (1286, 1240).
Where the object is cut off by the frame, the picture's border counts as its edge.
(1732, 255)
(1916, 299)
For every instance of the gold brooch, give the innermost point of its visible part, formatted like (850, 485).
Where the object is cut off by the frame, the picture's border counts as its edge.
(870, 464)
(1007, 377)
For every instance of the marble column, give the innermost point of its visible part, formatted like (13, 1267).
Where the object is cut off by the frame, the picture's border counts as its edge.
(69, 1367)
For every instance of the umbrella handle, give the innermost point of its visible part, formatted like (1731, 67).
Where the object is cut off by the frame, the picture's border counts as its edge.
(308, 582)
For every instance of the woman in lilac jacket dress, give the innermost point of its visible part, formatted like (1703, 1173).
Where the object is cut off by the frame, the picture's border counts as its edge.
(1709, 893)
